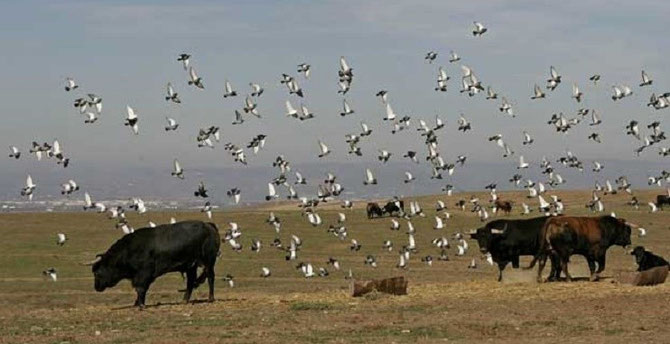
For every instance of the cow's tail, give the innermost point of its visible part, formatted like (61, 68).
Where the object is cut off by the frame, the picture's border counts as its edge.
(541, 251)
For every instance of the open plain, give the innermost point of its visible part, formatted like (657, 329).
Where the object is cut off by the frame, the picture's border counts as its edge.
(447, 302)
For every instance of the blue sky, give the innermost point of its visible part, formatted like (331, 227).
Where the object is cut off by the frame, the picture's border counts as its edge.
(125, 51)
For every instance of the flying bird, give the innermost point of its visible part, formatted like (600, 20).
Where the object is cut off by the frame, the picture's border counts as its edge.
(131, 120)
(479, 29)
(177, 171)
(195, 80)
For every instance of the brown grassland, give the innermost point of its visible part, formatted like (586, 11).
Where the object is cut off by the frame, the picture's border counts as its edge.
(446, 302)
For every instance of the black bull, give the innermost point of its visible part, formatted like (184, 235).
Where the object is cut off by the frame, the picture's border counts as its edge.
(506, 240)
(148, 253)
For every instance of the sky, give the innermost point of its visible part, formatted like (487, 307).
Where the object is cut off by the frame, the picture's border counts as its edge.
(125, 52)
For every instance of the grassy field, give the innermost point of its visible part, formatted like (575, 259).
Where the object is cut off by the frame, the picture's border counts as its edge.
(446, 302)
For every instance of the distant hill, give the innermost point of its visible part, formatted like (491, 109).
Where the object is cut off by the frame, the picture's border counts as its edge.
(153, 183)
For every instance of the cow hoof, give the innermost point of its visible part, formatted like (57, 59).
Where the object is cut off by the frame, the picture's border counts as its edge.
(594, 278)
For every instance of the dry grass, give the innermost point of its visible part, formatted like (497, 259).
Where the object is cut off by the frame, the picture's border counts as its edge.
(446, 302)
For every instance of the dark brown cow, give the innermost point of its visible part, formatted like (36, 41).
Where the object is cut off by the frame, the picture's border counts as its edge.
(373, 210)
(590, 237)
(505, 206)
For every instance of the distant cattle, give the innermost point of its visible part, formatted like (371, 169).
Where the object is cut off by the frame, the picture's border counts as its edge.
(662, 200)
(460, 204)
(506, 240)
(373, 210)
(394, 207)
(148, 253)
(505, 206)
(646, 260)
(590, 237)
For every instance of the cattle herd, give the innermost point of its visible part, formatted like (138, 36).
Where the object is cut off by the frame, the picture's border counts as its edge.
(147, 253)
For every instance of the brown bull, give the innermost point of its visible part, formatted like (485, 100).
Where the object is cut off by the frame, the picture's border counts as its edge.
(590, 237)
(505, 206)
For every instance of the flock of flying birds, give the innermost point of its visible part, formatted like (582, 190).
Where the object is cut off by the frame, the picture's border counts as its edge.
(90, 106)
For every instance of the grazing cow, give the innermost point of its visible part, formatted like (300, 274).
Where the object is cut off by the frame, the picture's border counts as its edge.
(646, 260)
(506, 240)
(373, 210)
(662, 200)
(587, 236)
(394, 207)
(148, 253)
(505, 206)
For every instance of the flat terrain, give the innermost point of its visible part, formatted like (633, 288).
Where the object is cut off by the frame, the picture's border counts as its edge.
(446, 302)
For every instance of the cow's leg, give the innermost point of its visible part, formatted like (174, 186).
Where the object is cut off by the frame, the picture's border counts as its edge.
(564, 266)
(540, 267)
(210, 281)
(141, 283)
(191, 277)
(601, 267)
(501, 267)
(515, 262)
(555, 273)
(590, 260)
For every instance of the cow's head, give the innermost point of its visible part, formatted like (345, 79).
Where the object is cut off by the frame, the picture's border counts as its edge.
(638, 252)
(486, 236)
(619, 230)
(105, 272)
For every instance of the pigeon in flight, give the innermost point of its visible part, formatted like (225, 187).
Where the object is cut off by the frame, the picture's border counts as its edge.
(369, 178)
(71, 85)
(195, 80)
(479, 29)
(323, 149)
(554, 79)
(29, 188)
(305, 69)
(177, 171)
(131, 120)
(69, 187)
(453, 57)
(229, 92)
(576, 93)
(256, 89)
(537, 93)
(646, 80)
(346, 109)
(184, 58)
(51, 273)
(595, 78)
(14, 152)
(172, 124)
(172, 95)
(430, 56)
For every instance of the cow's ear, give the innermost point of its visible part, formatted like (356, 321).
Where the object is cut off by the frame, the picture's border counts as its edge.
(473, 236)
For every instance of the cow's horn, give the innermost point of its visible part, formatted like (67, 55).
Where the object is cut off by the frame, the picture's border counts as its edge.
(632, 224)
(97, 259)
(497, 231)
(473, 231)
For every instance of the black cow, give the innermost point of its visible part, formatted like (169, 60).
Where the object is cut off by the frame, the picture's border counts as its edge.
(506, 240)
(148, 253)
(394, 207)
(662, 200)
(646, 260)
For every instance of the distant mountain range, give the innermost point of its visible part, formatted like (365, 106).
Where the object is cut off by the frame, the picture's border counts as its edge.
(156, 184)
